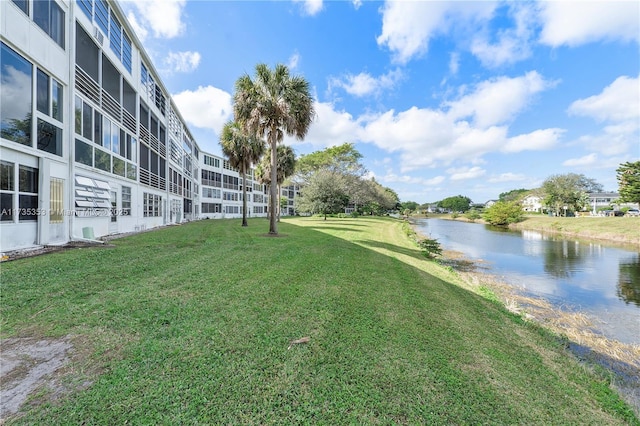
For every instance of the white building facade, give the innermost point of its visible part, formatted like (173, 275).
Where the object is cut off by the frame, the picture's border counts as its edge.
(91, 142)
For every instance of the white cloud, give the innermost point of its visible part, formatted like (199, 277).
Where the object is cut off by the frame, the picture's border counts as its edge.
(139, 29)
(182, 61)
(618, 102)
(162, 17)
(513, 44)
(499, 100)
(356, 4)
(408, 26)
(587, 160)
(391, 177)
(310, 7)
(207, 107)
(426, 137)
(293, 61)
(466, 173)
(537, 140)
(454, 63)
(364, 84)
(574, 23)
(507, 177)
(618, 105)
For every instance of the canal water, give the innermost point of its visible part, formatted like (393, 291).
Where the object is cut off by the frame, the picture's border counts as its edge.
(600, 280)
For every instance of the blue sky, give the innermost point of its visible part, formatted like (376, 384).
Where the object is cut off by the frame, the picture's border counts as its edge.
(441, 98)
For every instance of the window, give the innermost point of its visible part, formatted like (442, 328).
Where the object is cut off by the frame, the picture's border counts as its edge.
(211, 161)
(87, 7)
(56, 204)
(115, 36)
(102, 15)
(28, 194)
(211, 208)
(84, 153)
(50, 17)
(7, 189)
(87, 53)
(49, 138)
(152, 205)
(110, 79)
(210, 192)
(15, 97)
(126, 201)
(126, 52)
(23, 5)
(42, 92)
(103, 160)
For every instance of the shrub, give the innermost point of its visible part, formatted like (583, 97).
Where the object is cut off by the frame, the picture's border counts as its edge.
(503, 213)
(430, 247)
(473, 215)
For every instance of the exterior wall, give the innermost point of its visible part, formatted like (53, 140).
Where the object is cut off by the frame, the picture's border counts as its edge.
(532, 203)
(84, 184)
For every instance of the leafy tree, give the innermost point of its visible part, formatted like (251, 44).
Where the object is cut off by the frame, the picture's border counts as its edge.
(473, 214)
(409, 205)
(504, 213)
(458, 203)
(323, 194)
(513, 195)
(271, 105)
(343, 159)
(628, 175)
(286, 159)
(242, 150)
(569, 190)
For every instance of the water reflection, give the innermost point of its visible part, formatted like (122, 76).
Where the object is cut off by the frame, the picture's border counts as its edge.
(599, 279)
(629, 281)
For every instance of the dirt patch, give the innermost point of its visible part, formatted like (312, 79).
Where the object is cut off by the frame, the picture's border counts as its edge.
(29, 365)
(40, 250)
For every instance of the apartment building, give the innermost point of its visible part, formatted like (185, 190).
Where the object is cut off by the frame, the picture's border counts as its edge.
(91, 142)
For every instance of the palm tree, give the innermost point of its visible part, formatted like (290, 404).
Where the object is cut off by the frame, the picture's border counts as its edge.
(242, 150)
(286, 159)
(270, 105)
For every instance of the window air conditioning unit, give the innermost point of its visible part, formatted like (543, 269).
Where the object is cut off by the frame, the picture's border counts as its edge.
(98, 35)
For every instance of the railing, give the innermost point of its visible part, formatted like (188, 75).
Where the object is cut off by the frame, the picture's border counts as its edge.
(111, 106)
(87, 86)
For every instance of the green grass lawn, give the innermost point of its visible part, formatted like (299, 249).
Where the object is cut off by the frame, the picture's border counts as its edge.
(193, 325)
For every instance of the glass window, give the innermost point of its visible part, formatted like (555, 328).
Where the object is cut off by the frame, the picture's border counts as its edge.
(115, 36)
(28, 193)
(110, 79)
(102, 15)
(87, 127)
(132, 171)
(57, 100)
(144, 157)
(84, 153)
(6, 205)
(15, 97)
(126, 201)
(126, 52)
(42, 92)
(50, 17)
(86, 6)
(23, 5)
(49, 138)
(7, 179)
(56, 204)
(106, 132)
(77, 112)
(128, 98)
(115, 138)
(87, 54)
(103, 160)
(118, 167)
(97, 128)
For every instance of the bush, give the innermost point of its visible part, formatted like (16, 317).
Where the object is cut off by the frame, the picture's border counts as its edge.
(473, 215)
(503, 213)
(430, 248)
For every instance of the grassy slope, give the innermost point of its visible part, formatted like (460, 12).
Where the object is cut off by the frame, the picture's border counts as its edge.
(617, 229)
(193, 323)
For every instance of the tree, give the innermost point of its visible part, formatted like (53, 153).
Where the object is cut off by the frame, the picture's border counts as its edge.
(568, 192)
(242, 150)
(513, 195)
(343, 159)
(628, 175)
(286, 159)
(458, 203)
(271, 105)
(323, 194)
(409, 205)
(504, 213)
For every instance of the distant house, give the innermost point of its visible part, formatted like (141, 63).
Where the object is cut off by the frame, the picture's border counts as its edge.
(489, 203)
(532, 203)
(598, 200)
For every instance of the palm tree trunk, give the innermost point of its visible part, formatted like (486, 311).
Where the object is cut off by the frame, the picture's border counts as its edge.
(273, 226)
(279, 201)
(244, 198)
